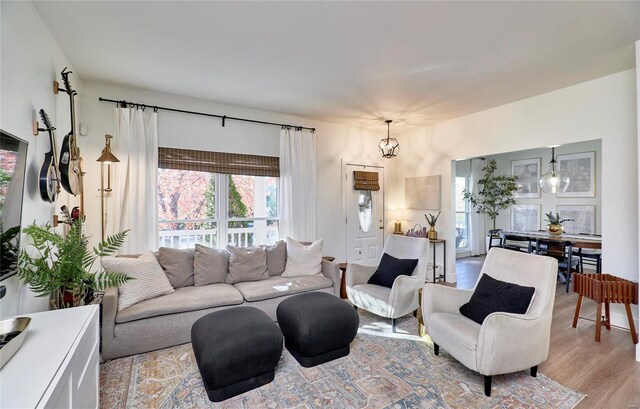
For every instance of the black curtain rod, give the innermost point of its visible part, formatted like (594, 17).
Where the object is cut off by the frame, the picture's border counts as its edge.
(130, 104)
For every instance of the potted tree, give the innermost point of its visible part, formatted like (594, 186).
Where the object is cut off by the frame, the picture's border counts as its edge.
(61, 266)
(495, 194)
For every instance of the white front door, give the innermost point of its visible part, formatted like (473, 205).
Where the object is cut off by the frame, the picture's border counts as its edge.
(364, 218)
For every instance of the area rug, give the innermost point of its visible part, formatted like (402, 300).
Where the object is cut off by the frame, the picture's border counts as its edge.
(383, 370)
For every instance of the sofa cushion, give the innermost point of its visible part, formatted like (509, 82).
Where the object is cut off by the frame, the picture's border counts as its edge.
(177, 265)
(303, 260)
(280, 286)
(210, 266)
(148, 278)
(493, 295)
(182, 300)
(247, 264)
(276, 258)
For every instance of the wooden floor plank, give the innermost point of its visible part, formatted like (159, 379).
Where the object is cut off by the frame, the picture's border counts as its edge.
(606, 371)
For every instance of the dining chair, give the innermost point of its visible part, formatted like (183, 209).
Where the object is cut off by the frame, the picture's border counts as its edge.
(592, 256)
(515, 242)
(561, 250)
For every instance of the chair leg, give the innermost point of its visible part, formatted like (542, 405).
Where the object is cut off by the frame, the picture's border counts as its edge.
(534, 371)
(436, 349)
(568, 281)
(393, 325)
(487, 385)
(415, 314)
(355, 307)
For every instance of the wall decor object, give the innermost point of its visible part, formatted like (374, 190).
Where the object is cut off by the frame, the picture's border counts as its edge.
(106, 158)
(580, 168)
(583, 216)
(422, 192)
(528, 173)
(525, 217)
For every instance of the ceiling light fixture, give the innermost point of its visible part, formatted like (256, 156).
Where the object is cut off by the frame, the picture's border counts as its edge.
(389, 147)
(551, 182)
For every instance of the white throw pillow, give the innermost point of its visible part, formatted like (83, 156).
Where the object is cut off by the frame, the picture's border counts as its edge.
(149, 280)
(303, 260)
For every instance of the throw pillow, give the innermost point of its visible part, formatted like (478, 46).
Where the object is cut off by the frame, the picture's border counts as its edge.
(303, 260)
(493, 295)
(247, 264)
(148, 278)
(210, 266)
(177, 265)
(390, 268)
(276, 258)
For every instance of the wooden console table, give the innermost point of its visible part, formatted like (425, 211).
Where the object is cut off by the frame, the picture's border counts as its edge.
(605, 289)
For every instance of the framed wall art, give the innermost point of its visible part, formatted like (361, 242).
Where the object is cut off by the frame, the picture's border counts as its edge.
(528, 173)
(422, 193)
(580, 168)
(525, 217)
(584, 217)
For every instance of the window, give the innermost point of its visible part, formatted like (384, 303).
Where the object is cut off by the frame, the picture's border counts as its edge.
(190, 208)
(462, 215)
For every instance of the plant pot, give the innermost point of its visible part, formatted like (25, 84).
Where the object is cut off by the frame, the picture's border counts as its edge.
(555, 230)
(432, 234)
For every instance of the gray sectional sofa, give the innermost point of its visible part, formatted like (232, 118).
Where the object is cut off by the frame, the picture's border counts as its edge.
(166, 321)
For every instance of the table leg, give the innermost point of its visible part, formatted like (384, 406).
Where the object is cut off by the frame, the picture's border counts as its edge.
(433, 249)
(444, 262)
(632, 328)
(578, 306)
(598, 321)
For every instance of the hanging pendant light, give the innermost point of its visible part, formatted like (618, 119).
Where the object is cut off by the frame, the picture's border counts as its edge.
(389, 147)
(552, 182)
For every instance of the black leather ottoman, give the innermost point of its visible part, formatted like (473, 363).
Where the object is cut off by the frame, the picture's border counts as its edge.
(317, 327)
(237, 349)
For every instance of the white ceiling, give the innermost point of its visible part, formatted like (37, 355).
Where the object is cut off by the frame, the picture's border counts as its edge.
(415, 62)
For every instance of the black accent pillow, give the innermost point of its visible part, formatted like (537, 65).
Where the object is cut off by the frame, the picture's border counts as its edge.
(390, 268)
(493, 295)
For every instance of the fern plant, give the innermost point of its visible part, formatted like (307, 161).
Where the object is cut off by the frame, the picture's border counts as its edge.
(60, 267)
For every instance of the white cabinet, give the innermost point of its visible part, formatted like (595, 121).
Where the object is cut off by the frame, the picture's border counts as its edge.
(58, 363)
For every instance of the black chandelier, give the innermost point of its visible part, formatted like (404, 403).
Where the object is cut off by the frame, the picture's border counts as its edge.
(389, 147)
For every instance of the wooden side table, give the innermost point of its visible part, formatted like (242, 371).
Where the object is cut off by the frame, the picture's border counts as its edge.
(343, 281)
(444, 258)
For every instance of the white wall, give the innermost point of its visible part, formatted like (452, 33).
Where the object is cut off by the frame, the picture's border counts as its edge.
(604, 108)
(334, 142)
(549, 201)
(31, 60)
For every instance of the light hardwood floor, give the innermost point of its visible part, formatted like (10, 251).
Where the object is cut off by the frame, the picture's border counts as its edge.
(606, 371)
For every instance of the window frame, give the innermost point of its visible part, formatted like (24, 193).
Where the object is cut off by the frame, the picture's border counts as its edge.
(466, 212)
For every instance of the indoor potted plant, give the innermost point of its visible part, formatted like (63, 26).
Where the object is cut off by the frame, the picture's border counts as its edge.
(555, 228)
(432, 234)
(60, 267)
(495, 194)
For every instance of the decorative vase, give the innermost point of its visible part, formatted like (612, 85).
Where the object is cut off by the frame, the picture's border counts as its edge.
(555, 230)
(432, 234)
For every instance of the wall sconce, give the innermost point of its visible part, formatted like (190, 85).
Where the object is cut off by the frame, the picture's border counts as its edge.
(107, 158)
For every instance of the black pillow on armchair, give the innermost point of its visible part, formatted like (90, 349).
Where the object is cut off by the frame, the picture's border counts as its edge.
(390, 268)
(493, 295)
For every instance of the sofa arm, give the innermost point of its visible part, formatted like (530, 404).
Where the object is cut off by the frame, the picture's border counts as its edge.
(358, 274)
(331, 270)
(440, 298)
(109, 312)
(512, 342)
(404, 295)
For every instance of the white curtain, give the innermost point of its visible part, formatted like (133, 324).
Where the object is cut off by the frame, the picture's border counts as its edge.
(136, 190)
(298, 184)
(477, 228)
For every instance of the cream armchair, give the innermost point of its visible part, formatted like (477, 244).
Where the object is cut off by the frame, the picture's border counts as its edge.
(402, 297)
(505, 342)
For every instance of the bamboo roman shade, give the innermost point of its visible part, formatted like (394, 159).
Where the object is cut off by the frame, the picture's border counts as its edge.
(218, 162)
(365, 180)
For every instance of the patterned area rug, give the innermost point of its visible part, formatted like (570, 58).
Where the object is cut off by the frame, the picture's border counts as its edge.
(384, 370)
